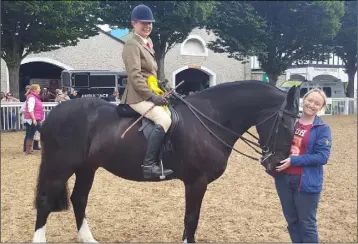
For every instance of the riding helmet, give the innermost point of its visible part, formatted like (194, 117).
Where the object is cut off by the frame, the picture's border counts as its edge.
(142, 13)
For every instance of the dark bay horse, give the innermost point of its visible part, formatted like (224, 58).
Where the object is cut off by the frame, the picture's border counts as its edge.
(88, 131)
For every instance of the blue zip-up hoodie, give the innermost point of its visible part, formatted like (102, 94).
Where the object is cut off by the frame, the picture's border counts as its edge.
(316, 155)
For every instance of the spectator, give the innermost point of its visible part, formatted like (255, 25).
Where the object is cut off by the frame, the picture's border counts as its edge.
(33, 115)
(113, 97)
(65, 94)
(22, 95)
(11, 112)
(2, 96)
(46, 96)
(60, 96)
(74, 94)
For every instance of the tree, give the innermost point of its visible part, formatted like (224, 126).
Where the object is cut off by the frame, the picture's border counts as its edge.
(279, 33)
(345, 43)
(38, 26)
(174, 20)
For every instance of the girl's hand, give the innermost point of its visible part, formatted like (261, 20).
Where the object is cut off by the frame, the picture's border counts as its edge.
(285, 164)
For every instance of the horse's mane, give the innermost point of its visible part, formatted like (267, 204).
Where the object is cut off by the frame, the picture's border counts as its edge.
(238, 88)
(242, 85)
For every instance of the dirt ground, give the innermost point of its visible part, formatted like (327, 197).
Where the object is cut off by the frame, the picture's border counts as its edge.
(241, 206)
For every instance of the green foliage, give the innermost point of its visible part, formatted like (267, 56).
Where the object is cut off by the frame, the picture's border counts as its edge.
(238, 27)
(344, 45)
(174, 20)
(279, 33)
(37, 26)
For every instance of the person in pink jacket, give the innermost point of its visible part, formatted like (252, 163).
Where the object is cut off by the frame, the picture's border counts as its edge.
(33, 115)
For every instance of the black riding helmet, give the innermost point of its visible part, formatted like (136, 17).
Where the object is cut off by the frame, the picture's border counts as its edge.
(142, 13)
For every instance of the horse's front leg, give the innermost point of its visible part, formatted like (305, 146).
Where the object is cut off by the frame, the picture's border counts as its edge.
(194, 193)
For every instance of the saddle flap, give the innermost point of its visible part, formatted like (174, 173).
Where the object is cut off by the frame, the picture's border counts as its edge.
(145, 122)
(124, 110)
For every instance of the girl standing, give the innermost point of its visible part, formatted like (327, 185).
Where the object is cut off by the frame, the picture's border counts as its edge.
(299, 178)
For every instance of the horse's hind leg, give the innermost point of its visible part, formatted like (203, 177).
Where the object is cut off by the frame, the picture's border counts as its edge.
(194, 194)
(79, 197)
(40, 227)
(51, 197)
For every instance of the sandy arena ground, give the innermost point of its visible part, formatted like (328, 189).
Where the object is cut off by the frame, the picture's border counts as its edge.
(241, 206)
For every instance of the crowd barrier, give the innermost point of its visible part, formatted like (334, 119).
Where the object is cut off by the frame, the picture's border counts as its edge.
(12, 116)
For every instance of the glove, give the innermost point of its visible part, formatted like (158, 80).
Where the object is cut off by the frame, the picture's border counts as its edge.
(162, 85)
(158, 100)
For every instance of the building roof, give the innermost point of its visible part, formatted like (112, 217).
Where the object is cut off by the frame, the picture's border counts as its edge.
(111, 36)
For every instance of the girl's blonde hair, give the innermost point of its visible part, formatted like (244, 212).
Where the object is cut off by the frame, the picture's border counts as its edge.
(33, 87)
(320, 92)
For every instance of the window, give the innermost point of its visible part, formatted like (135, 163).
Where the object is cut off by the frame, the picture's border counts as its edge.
(303, 91)
(122, 83)
(328, 91)
(194, 45)
(81, 80)
(102, 81)
(66, 79)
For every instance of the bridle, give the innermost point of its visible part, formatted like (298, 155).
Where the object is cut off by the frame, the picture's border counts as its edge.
(268, 149)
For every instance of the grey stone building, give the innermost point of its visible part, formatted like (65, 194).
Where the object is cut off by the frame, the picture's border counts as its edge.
(190, 59)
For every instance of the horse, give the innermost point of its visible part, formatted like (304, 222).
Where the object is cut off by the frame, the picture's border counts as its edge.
(205, 127)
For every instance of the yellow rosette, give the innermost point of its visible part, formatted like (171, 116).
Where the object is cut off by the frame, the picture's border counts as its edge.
(153, 84)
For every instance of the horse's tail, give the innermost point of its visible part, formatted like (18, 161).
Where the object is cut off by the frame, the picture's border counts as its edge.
(49, 194)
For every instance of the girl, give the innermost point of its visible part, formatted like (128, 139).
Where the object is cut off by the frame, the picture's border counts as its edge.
(299, 178)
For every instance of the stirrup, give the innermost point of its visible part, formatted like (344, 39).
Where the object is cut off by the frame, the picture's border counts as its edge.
(159, 171)
(162, 177)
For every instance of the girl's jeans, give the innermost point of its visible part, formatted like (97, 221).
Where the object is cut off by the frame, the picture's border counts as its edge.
(30, 132)
(299, 209)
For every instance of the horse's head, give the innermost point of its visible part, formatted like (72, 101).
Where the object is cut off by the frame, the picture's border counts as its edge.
(277, 131)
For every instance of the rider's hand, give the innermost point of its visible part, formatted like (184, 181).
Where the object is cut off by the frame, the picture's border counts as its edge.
(158, 100)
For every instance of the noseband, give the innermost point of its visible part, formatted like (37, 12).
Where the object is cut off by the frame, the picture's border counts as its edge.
(268, 149)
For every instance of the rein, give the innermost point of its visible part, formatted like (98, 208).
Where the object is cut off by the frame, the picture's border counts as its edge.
(266, 149)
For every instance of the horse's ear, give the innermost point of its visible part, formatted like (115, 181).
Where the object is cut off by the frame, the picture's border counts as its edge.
(293, 96)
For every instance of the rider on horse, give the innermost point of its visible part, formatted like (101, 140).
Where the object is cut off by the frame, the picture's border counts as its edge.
(138, 57)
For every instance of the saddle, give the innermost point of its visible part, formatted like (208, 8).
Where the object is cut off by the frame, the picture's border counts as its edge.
(124, 110)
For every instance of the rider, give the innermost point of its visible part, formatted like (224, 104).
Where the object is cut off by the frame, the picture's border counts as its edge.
(138, 57)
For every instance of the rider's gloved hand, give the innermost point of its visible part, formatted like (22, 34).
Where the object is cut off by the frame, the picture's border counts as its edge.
(158, 100)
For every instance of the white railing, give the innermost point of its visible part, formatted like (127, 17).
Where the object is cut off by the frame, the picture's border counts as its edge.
(12, 116)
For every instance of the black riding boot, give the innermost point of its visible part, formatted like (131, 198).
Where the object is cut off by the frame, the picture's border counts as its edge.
(150, 168)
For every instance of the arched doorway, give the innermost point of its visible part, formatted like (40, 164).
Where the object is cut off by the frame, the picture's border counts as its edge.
(44, 71)
(325, 78)
(196, 78)
(297, 77)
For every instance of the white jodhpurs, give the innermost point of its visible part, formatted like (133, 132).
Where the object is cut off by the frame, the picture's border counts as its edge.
(158, 115)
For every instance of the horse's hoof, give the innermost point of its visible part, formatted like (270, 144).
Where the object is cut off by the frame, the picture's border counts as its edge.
(185, 241)
(87, 240)
(84, 234)
(40, 235)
